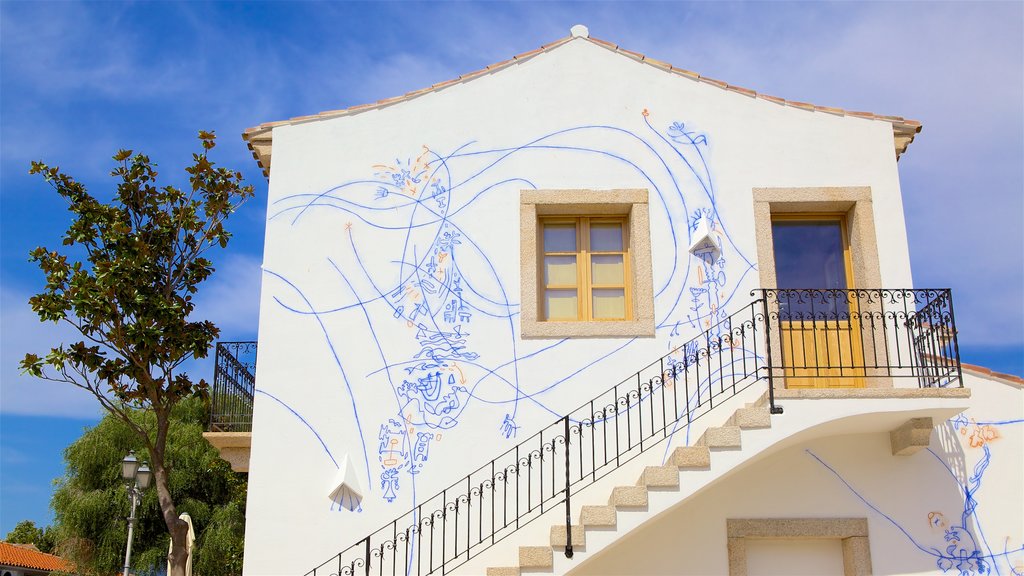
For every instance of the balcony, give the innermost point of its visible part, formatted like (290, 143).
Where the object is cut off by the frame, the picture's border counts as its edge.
(859, 338)
(234, 382)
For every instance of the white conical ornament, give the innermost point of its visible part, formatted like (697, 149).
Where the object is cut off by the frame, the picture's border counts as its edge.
(705, 241)
(345, 489)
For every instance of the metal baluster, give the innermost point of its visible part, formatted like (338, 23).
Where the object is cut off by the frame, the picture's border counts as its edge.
(568, 508)
(593, 442)
(615, 406)
(639, 410)
(367, 556)
(772, 408)
(953, 337)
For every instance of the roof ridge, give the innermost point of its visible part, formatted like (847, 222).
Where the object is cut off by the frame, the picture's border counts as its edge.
(260, 138)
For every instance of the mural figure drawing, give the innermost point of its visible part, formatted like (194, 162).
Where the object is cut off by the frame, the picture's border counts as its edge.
(422, 205)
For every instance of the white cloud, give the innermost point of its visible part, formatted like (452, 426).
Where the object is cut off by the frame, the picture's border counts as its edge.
(22, 333)
(231, 298)
(55, 49)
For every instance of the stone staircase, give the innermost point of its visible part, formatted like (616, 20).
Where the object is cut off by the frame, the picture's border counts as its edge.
(634, 499)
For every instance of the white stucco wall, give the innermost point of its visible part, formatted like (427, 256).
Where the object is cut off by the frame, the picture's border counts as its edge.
(919, 519)
(345, 320)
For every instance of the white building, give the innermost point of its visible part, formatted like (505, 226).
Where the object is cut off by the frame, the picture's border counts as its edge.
(573, 244)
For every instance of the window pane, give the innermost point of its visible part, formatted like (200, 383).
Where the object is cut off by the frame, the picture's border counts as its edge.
(810, 255)
(606, 237)
(560, 270)
(559, 237)
(609, 303)
(607, 269)
(560, 304)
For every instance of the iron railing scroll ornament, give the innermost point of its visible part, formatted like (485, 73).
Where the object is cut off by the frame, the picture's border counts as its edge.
(859, 334)
(234, 382)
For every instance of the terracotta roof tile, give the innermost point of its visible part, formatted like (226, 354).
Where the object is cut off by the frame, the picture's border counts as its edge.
(989, 372)
(826, 109)
(687, 73)
(774, 99)
(714, 82)
(470, 75)
(14, 555)
(604, 43)
(416, 93)
(444, 84)
(636, 55)
(801, 105)
(529, 54)
(903, 130)
(658, 63)
(387, 101)
(743, 91)
(366, 106)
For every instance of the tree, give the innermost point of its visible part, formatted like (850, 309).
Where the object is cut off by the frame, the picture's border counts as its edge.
(26, 532)
(128, 289)
(91, 494)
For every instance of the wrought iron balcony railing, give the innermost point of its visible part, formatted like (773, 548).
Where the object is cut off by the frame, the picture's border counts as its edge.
(782, 338)
(836, 338)
(234, 381)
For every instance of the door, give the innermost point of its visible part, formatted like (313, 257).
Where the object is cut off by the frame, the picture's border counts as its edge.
(819, 327)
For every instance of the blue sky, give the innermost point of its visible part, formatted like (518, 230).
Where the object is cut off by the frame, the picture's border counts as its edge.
(80, 80)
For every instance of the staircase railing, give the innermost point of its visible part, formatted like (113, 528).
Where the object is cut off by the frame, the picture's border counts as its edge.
(234, 382)
(542, 472)
(795, 335)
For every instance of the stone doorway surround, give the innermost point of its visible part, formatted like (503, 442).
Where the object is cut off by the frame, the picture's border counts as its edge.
(855, 204)
(853, 532)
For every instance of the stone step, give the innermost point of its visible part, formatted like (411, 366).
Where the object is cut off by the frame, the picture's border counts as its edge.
(659, 477)
(536, 557)
(628, 497)
(504, 571)
(691, 457)
(723, 437)
(579, 536)
(598, 516)
(762, 401)
(749, 418)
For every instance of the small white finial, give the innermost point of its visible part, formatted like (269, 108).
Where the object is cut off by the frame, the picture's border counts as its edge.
(579, 31)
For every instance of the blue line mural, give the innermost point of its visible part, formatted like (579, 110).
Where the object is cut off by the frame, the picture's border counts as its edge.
(456, 302)
(961, 552)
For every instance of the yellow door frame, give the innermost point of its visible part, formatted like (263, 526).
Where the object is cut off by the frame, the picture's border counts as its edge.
(822, 338)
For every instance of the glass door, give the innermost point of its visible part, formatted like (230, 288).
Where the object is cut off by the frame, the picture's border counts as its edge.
(819, 325)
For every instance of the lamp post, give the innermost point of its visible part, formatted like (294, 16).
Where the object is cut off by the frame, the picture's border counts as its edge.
(137, 477)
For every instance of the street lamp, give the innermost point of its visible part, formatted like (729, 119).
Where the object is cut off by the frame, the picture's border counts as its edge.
(137, 477)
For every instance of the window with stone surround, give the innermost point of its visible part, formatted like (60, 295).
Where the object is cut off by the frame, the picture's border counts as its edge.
(585, 264)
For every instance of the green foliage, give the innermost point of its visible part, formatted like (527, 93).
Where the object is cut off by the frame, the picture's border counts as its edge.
(26, 532)
(91, 503)
(127, 285)
(131, 297)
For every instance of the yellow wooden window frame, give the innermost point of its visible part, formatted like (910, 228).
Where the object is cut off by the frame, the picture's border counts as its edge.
(585, 286)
